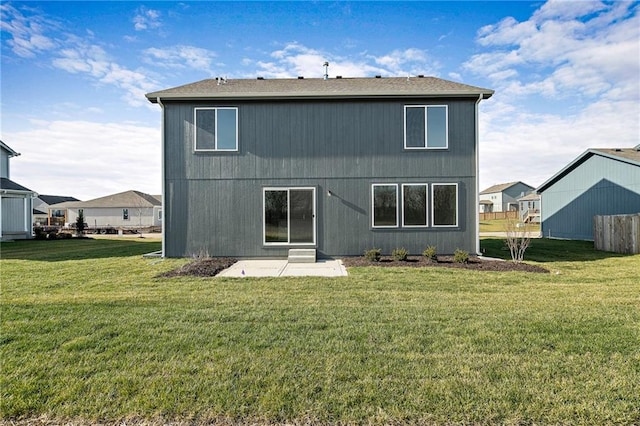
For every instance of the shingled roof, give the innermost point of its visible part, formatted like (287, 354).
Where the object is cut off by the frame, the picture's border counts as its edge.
(55, 199)
(125, 199)
(304, 88)
(9, 185)
(499, 187)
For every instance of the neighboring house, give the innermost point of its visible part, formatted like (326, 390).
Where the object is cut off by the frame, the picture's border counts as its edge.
(129, 209)
(44, 215)
(253, 168)
(16, 206)
(598, 182)
(503, 197)
(530, 208)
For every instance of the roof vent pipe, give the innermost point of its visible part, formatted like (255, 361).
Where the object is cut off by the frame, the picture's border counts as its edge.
(326, 70)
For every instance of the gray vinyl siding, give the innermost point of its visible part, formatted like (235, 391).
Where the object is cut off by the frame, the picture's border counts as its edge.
(598, 186)
(214, 200)
(512, 194)
(4, 164)
(16, 216)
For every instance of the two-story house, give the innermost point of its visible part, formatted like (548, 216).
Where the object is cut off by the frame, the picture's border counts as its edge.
(253, 168)
(16, 201)
(503, 197)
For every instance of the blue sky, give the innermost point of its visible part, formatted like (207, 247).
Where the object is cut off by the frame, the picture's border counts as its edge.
(74, 75)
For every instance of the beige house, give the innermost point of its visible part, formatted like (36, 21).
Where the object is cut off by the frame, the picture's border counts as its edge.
(129, 209)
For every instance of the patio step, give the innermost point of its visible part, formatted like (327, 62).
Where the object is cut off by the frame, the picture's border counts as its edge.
(302, 256)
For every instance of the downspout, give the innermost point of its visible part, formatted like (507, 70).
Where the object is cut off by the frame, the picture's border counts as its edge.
(164, 210)
(477, 199)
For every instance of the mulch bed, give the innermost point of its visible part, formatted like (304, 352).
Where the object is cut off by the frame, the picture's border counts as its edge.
(475, 264)
(213, 266)
(201, 268)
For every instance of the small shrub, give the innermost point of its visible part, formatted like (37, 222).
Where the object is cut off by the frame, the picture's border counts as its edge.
(460, 256)
(202, 254)
(400, 254)
(40, 233)
(373, 255)
(430, 254)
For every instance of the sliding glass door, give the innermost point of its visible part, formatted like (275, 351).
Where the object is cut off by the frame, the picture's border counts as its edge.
(289, 216)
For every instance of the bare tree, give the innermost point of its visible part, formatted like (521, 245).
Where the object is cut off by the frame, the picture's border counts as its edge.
(518, 239)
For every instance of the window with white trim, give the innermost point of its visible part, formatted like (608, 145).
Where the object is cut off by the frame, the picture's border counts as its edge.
(289, 215)
(444, 204)
(216, 129)
(125, 214)
(414, 205)
(426, 127)
(384, 207)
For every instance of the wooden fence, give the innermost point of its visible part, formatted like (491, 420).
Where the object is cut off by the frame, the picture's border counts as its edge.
(619, 234)
(511, 214)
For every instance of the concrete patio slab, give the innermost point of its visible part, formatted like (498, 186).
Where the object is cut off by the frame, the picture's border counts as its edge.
(281, 268)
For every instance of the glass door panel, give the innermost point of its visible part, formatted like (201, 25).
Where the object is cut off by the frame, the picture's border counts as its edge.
(276, 227)
(301, 215)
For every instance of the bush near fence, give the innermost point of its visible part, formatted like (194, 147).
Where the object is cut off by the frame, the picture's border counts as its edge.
(618, 234)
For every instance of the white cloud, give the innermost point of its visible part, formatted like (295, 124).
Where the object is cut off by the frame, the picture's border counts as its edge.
(532, 147)
(295, 59)
(27, 32)
(586, 54)
(146, 19)
(410, 61)
(75, 54)
(588, 45)
(181, 57)
(86, 159)
(81, 57)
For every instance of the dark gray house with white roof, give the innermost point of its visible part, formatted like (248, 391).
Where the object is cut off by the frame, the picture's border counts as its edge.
(253, 168)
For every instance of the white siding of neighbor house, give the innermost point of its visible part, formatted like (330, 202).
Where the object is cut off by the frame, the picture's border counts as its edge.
(138, 217)
(16, 217)
(495, 198)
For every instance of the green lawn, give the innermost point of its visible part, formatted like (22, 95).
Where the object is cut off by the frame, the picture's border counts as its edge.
(89, 335)
(500, 225)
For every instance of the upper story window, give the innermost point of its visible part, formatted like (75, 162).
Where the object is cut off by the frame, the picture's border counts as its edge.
(216, 129)
(125, 214)
(426, 127)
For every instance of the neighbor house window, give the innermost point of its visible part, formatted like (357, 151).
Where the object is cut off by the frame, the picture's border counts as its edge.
(426, 127)
(125, 214)
(444, 204)
(385, 205)
(216, 129)
(414, 204)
